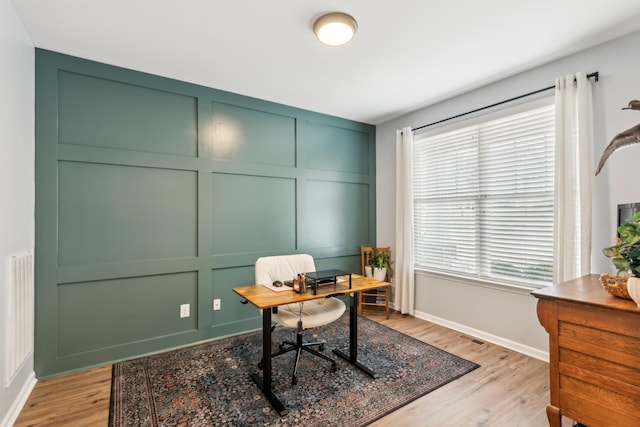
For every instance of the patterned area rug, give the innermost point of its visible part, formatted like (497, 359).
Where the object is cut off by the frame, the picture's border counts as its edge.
(209, 384)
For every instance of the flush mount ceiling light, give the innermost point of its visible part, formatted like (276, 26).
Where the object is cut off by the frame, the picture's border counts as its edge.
(335, 28)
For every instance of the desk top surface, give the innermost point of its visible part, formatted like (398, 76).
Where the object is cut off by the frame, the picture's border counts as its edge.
(586, 290)
(263, 297)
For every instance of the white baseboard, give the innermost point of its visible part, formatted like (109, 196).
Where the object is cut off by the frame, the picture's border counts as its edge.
(11, 417)
(485, 336)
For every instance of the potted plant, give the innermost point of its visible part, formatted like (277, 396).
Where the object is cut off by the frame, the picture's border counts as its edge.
(377, 263)
(625, 256)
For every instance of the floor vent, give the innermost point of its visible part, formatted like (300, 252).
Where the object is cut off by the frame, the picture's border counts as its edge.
(472, 339)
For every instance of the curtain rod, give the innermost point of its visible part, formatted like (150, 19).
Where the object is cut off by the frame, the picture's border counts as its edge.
(595, 75)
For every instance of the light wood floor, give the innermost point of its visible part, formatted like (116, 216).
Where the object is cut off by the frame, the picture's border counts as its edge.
(509, 389)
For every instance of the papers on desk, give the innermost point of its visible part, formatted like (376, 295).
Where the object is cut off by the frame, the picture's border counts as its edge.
(277, 288)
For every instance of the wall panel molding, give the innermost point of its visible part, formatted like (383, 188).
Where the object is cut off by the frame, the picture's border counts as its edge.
(152, 193)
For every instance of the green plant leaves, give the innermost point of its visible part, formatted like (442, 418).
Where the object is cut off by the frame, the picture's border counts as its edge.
(625, 254)
(377, 259)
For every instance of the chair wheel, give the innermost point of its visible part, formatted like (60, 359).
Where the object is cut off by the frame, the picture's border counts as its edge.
(321, 347)
(281, 346)
(294, 380)
(260, 364)
(334, 368)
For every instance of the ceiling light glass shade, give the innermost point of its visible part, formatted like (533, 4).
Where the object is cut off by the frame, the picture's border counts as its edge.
(335, 28)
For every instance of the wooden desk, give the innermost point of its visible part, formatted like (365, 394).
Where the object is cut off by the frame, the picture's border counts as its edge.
(594, 354)
(265, 299)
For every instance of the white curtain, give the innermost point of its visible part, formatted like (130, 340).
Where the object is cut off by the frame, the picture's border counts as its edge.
(574, 172)
(404, 275)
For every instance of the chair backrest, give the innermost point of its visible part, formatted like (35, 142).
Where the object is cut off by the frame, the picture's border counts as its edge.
(366, 250)
(282, 267)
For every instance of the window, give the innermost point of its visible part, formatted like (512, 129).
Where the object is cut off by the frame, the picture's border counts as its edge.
(484, 198)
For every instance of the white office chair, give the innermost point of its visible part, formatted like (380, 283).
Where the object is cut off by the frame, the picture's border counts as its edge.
(299, 316)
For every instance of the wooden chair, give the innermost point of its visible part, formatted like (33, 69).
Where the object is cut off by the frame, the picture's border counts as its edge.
(371, 298)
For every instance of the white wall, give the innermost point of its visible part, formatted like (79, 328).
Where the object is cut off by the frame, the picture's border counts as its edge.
(495, 314)
(17, 191)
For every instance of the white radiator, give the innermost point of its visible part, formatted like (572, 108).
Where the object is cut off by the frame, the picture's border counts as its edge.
(20, 307)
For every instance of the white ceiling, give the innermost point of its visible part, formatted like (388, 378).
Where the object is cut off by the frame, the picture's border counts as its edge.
(407, 53)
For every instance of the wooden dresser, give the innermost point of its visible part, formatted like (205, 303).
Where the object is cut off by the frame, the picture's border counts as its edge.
(594, 354)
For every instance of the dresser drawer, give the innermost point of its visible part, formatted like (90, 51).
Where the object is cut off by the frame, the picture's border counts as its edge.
(596, 407)
(604, 319)
(604, 346)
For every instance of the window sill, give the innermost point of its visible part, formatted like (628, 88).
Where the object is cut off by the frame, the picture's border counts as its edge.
(501, 286)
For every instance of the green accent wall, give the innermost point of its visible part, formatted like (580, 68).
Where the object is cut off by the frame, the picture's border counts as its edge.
(152, 193)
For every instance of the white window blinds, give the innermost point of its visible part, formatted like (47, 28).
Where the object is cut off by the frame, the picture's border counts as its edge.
(483, 199)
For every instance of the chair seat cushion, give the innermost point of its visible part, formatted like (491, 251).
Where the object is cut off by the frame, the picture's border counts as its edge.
(314, 313)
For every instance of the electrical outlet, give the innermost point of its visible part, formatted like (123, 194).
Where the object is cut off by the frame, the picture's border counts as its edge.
(216, 304)
(185, 310)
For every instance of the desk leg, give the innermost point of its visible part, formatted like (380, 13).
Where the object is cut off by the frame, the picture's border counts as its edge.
(352, 357)
(264, 383)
